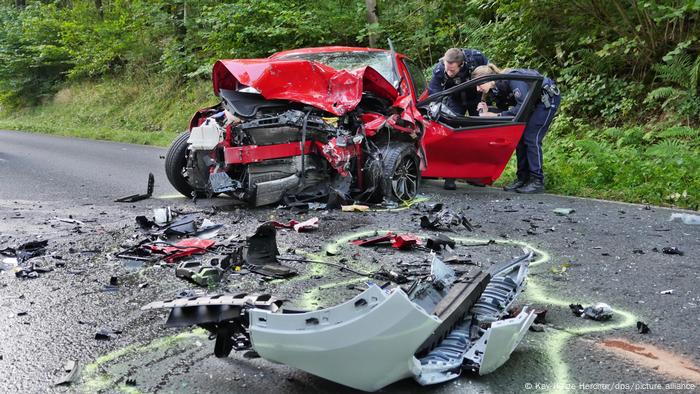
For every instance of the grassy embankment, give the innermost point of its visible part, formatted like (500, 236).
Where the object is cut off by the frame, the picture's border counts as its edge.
(644, 164)
(139, 111)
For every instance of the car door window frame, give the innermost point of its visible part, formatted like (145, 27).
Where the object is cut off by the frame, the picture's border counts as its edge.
(482, 121)
(408, 65)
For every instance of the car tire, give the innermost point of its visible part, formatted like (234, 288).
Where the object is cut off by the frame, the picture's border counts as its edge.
(401, 170)
(175, 163)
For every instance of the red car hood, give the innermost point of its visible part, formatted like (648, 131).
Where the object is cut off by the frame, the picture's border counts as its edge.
(312, 83)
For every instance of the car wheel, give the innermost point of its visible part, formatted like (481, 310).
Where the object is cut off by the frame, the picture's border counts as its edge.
(401, 171)
(176, 163)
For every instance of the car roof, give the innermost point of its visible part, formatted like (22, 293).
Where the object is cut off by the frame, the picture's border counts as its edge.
(302, 51)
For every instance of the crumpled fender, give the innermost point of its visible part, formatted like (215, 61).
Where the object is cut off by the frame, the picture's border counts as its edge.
(312, 83)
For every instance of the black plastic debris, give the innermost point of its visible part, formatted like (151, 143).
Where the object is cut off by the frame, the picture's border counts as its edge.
(261, 247)
(599, 311)
(221, 182)
(183, 226)
(672, 250)
(139, 197)
(189, 293)
(26, 251)
(642, 328)
(71, 368)
(130, 382)
(540, 316)
(145, 223)
(449, 256)
(445, 219)
(276, 271)
(429, 207)
(106, 334)
(438, 242)
(113, 284)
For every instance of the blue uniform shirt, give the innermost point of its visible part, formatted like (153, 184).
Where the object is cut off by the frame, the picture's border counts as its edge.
(510, 95)
(465, 100)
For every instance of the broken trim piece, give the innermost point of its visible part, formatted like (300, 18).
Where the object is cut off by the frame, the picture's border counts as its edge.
(371, 331)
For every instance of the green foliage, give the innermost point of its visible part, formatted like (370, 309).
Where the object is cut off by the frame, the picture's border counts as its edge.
(629, 164)
(32, 59)
(680, 94)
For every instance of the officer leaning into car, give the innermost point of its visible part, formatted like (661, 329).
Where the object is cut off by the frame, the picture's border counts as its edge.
(509, 95)
(454, 68)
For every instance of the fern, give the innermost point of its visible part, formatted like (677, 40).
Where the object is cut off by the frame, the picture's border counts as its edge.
(679, 132)
(664, 93)
(677, 70)
(666, 148)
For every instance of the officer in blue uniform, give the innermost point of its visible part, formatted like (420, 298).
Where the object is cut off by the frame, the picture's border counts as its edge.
(453, 69)
(509, 96)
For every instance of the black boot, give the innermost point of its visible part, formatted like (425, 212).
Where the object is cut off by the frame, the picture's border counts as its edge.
(515, 184)
(450, 184)
(532, 187)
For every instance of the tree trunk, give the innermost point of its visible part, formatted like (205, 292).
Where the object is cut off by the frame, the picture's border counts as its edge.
(372, 19)
(100, 12)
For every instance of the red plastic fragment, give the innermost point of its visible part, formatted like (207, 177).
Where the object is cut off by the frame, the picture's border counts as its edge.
(398, 241)
(184, 248)
(405, 241)
(373, 240)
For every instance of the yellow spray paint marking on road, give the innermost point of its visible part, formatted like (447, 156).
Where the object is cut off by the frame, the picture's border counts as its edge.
(94, 379)
(170, 196)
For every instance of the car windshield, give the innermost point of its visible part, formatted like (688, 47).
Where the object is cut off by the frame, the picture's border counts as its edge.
(351, 60)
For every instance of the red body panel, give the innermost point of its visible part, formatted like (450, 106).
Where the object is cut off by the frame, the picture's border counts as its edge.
(479, 154)
(303, 81)
(253, 153)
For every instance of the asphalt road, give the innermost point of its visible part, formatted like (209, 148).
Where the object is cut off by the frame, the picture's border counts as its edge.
(602, 252)
(45, 167)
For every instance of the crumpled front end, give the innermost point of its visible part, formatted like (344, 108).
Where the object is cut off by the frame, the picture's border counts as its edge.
(295, 131)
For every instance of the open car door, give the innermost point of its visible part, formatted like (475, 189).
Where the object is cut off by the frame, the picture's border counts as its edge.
(473, 147)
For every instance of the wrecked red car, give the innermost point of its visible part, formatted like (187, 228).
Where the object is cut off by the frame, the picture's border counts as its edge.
(336, 124)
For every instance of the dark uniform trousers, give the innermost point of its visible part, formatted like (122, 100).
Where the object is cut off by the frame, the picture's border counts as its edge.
(529, 149)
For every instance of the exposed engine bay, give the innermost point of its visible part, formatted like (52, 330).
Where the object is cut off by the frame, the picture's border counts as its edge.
(265, 151)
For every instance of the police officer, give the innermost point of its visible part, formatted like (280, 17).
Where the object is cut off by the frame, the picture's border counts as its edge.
(451, 70)
(509, 96)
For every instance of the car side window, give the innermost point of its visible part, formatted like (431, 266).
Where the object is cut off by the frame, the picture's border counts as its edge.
(419, 83)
